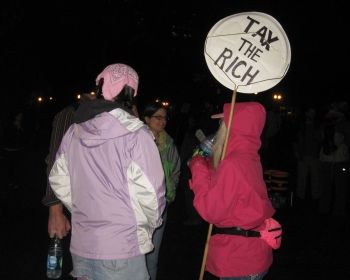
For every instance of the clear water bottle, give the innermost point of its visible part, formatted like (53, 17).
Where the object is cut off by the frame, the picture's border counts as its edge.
(205, 148)
(54, 259)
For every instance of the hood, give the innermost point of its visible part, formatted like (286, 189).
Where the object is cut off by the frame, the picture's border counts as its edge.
(102, 125)
(246, 127)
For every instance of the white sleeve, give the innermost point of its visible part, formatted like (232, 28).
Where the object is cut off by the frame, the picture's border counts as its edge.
(60, 181)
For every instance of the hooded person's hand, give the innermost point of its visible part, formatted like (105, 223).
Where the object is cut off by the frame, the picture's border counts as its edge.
(197, 159)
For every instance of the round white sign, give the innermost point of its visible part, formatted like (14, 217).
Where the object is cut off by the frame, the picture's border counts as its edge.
(248, 51)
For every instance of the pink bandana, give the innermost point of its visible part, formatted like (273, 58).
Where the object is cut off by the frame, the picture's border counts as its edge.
(116, 76)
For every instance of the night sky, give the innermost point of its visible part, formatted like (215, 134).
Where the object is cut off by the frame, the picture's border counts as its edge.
(58, 47)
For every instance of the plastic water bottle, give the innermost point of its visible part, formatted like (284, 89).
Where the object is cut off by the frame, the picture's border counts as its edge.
(205, 148)
(54, 259)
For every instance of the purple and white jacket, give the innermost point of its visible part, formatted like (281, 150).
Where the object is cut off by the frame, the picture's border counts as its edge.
(108, 173)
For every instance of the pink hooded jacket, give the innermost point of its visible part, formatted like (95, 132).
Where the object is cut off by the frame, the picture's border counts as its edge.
(235, 195)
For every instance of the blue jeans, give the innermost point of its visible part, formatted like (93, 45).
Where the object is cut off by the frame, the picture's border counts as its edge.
(259, 276)
(152, 257)
(124, 269)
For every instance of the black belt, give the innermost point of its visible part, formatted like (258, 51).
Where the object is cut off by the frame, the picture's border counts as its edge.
(236, 231)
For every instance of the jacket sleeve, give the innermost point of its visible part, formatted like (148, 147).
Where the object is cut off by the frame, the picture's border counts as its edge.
(171, 165)
(176, 165)
(59, 177)
(214, 194)
(146, 176)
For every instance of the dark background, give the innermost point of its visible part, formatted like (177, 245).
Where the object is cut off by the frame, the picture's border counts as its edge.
(57, 48)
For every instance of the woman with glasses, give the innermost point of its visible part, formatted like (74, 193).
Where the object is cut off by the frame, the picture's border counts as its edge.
(154, 114)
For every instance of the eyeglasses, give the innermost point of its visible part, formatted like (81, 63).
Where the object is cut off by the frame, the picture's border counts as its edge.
(160, 118)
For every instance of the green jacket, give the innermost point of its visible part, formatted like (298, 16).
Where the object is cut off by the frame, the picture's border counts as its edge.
(171, 164)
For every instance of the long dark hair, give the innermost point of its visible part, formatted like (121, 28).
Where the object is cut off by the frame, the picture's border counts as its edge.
(125, 98)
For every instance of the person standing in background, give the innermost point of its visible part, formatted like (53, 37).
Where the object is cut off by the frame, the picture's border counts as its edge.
(307, 149)
(334, 158)
(189, 143)
(154, 114)
(103, 176)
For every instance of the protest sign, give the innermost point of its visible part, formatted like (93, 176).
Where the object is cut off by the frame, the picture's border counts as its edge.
(249, 52)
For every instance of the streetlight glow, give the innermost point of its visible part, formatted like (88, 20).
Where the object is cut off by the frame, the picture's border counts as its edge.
(277, 96)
